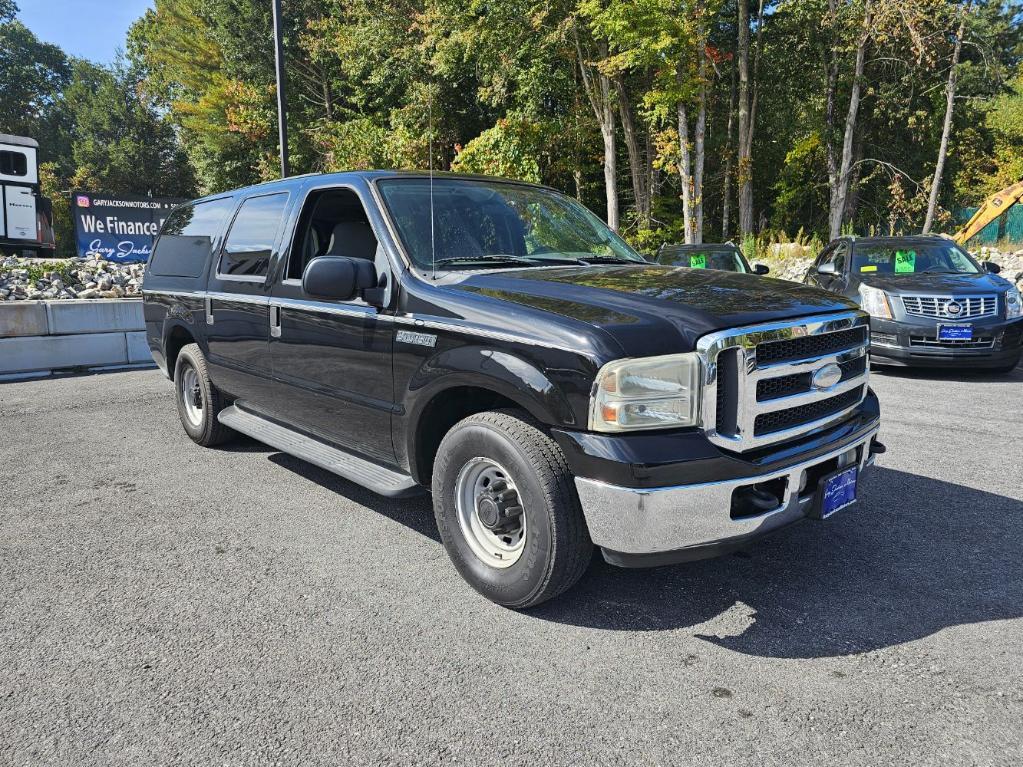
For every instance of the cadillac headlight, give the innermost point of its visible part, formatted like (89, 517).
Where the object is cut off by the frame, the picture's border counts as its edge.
(647, 393)
(1013, 303)
(875, 303)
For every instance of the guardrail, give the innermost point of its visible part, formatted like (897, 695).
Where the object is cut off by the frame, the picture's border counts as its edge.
(39, 338)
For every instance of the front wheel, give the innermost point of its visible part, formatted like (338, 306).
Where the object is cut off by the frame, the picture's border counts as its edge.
(507, 510)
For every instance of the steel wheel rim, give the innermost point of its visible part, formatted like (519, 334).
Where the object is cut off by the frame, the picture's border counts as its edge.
(191, 395)
(496, 549)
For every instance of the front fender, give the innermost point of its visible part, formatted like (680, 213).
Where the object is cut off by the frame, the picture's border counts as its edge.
(494, 370)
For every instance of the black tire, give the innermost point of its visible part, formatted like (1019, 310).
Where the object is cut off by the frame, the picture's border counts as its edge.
(556, 545)
(204, 430)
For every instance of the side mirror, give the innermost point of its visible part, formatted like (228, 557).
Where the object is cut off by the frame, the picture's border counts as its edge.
(761, 269)
(338, 277)
(827, 269)
(992, 267)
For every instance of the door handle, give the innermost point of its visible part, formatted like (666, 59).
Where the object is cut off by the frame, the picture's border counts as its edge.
(275, 321)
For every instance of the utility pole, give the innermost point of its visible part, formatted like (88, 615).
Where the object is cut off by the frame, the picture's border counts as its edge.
(282, 101)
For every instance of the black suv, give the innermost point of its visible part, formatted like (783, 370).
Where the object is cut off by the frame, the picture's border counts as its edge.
(930, 302)
(724, 256)
(496, 343)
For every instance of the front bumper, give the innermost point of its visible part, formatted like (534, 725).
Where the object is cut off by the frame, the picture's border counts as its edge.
(904, 342)
(649, 526)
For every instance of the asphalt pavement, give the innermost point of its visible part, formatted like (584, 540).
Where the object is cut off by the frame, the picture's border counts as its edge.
(165, 604)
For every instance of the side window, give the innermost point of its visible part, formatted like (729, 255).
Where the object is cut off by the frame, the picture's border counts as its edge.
(824, 257)
(840, 257)
(246, 251)
(13, 163)
(186, 239)
(333, 223)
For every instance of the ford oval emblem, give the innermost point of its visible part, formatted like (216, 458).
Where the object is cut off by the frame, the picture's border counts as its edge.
(825, 377)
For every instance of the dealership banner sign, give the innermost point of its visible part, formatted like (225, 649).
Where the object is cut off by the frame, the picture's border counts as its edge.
(118, 227)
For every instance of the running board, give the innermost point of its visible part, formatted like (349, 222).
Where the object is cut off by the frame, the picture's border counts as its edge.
(377, 478)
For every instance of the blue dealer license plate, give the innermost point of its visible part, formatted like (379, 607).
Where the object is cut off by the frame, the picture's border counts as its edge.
(955, 332)
(838, 491)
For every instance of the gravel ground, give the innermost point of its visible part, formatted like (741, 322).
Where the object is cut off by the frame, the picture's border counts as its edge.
(165, 604)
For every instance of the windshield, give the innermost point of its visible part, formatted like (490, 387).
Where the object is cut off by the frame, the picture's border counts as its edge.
(934, 258)
(723, 259)
(492, 224)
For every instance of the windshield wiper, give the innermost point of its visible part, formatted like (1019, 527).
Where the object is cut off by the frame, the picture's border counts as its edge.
(933, 270)
(492, 257)
(595, 259)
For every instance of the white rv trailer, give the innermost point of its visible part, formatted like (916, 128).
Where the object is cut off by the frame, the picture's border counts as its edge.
(25, 215)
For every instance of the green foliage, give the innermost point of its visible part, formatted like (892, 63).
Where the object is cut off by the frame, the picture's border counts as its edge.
(51, 185)
(514, 148)
(497, 88)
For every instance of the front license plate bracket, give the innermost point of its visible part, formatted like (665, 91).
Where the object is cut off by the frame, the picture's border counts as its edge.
(836, 491)
(961, 332)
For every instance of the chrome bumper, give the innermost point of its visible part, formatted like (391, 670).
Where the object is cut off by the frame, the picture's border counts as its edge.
(669, 519)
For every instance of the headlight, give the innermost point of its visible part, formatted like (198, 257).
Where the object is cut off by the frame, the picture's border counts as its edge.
(875, 303)
(1013, 303)
(647, 393)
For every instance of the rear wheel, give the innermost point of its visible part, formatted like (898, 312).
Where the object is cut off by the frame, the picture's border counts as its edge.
(507, 510)
(199, 402)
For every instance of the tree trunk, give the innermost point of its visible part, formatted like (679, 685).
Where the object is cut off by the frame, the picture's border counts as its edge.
(726, 202)
(699, 136)
(743, 172)
(840, 191)
(829, 109)
(610, 172)
(950, 95)
(636, 160)
(685, 172)
(598, 89)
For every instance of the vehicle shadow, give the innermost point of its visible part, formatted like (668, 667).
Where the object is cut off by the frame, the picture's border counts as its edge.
(916, 555)
(945, 374)
(416, 513)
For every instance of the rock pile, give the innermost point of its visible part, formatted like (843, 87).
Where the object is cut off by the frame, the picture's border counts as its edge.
(43, 279)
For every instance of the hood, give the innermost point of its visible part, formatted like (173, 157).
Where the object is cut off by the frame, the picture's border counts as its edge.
(942, 284)
(651, 309)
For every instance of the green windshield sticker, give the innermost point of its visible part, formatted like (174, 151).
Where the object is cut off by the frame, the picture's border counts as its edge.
(905, 261)
(698, 261)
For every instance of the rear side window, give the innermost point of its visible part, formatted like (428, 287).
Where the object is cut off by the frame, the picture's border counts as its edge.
(13, 163)
(251, 239)
(186, 239)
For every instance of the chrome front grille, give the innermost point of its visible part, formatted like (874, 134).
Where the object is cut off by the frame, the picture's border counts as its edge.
(937, 307)
(759, 386)
(979, 342)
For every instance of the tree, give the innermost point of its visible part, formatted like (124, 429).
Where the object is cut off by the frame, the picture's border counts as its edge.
(747, 111)
(946, 129)
(32, 76)
(841, 179)
(600, 93)
(120, 141)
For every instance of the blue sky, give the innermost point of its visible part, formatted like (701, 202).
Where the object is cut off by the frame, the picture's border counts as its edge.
(91, 29)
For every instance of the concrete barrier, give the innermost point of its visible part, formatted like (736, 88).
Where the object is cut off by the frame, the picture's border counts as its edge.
(39, 338)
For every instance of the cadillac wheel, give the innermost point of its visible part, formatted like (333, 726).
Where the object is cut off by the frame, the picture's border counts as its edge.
(507, 509)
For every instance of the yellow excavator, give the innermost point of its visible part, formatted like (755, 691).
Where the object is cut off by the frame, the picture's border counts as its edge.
(993, 207)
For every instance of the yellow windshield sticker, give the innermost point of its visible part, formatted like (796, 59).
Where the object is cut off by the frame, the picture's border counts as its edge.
(905, 261)
(698, 261)
(872, 268)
